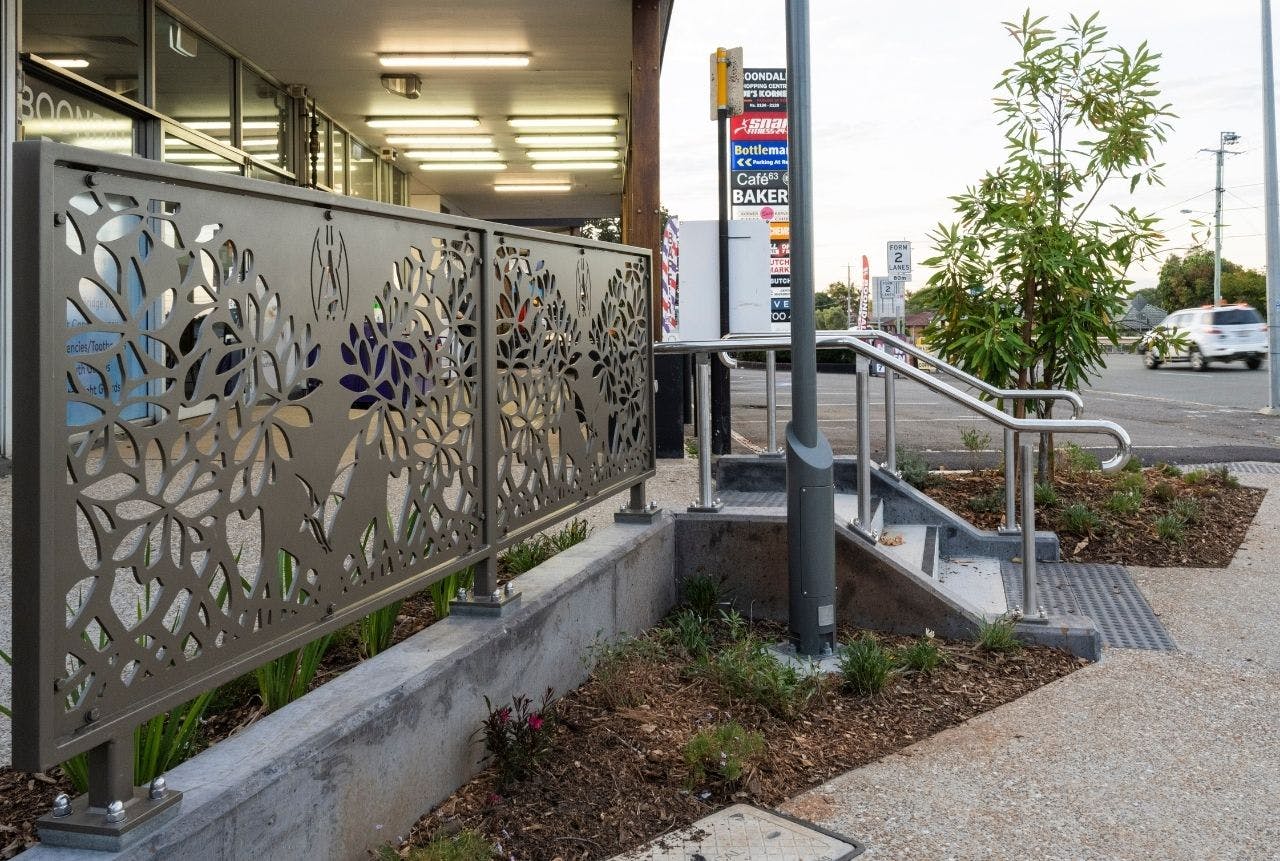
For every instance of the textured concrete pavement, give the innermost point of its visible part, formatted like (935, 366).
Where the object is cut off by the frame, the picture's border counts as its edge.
(1145, 755)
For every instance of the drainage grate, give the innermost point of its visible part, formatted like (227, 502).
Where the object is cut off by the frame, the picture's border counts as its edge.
(747, 832)
(1104, 593)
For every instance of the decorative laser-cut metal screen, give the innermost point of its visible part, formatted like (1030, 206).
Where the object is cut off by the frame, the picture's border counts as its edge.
(252, 415)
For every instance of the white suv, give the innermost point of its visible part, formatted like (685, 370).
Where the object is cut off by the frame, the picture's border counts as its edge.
(1223, 334)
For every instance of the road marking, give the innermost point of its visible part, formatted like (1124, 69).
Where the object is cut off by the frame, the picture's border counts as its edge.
(1218, 408)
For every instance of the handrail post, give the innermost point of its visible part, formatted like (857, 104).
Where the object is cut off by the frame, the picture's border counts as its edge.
(890, 423)
(706, 502)
(864, 450)
(771, 400)
(1010, 480)
(1031, 609)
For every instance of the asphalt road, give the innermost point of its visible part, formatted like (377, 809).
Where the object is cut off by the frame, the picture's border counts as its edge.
(1172, 414)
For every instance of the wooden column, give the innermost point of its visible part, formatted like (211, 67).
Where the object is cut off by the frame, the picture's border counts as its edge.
(640, 194)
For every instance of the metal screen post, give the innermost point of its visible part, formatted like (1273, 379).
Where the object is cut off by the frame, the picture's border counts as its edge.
(706, 502)
(111, 772)
(864, 450)
(890, 423)
(1010, 480)
(1031, 609)
(771, 400)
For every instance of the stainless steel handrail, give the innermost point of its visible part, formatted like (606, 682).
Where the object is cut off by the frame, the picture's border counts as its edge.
(1077, 403)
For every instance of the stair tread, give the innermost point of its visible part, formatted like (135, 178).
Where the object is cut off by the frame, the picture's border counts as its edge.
(977, 579)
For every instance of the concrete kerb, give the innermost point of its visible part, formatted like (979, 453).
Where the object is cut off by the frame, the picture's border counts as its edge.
(354, 763)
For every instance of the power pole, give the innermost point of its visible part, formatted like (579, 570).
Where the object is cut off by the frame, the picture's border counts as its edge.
(1273, 213)
(1225, 139)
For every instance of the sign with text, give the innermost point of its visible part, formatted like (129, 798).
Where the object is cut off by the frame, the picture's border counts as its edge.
(890, 298)
(759, 126)
(899, 259)
(758, 155)
(761, 213)
(765, 89)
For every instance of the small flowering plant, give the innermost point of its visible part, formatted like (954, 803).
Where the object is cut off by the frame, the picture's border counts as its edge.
(517, 736)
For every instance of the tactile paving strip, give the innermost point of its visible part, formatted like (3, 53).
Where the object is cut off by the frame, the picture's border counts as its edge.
(1104, 593)
(1249, 467)
(746, 833)
(754, 498)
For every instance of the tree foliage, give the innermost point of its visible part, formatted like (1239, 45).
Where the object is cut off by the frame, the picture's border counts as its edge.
(1186, 282)
(1031, 277)
(831, 306)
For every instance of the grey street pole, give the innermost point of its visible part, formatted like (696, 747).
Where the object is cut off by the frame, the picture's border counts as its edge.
(810, 482)
(1225, 139)
(1273, 213)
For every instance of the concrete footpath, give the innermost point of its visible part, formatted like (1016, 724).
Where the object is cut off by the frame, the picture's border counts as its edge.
(1145, 755)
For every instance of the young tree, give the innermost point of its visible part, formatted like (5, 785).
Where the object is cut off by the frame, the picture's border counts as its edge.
(1031, 278)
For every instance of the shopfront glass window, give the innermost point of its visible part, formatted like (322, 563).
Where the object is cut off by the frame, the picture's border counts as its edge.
(178, 150)
(193, 79)
(339, 147)
(96, 39)
(264, 107)
(364, 172)
(323, 130)
(47, 111)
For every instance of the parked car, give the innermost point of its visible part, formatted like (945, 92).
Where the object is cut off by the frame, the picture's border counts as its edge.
(1228, 333)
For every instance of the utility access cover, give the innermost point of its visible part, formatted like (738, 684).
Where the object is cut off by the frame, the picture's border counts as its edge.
(744, 832)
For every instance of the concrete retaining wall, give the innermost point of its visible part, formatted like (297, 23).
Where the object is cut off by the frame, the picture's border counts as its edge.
(356, 762)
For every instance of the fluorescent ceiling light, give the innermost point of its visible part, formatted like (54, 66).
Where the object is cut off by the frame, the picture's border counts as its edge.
(196, 156)
(571, 154)
(457, 61)
(575, 165)
(225, 125)
(260, 143)
(69, 62)
(595, 122)
(534, 186)
(422, 122)
(463, 165)
(567, 140)
(453, 154)
(445, 141)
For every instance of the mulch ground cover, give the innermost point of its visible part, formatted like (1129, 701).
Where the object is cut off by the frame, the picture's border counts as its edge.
(1206, 513)
(616, 775)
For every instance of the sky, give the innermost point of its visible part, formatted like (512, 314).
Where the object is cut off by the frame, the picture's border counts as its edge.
(903, 118)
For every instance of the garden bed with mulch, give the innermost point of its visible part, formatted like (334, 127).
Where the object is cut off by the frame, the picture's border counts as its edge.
(617, 770)
(1160, 516)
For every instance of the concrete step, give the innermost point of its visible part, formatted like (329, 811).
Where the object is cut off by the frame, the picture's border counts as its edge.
(977, 581)
(917, 549)
(846, 505)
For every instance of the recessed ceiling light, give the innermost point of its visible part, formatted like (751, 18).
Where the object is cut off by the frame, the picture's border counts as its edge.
(534, 186)
(566, 122)
(422, 122)
(575, 165)
(432, 141)
(463, 165)
(571, 154)
(463, 61)
(454, 154)
(69, 62)
(567, 140)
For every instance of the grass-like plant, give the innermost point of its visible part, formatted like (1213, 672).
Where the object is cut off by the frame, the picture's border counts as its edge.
(1171, 528)
(573, 532)
(525, 555)
(1187, 509)
(689, 631)
(722, 754)
(1168, 469)
(986, 502)
(1045, 493)
(1080, 519)
(466, 845)
(702, 594)
(1223, 475)
(1134, 482)
(610, 664)
(998, 635)
(1077, 459)
(444, 591)
(376, 630)
(1133, 465)
(922, 656)
(745, 670)
(289, 676)
(691, 446)
(1164, 492)
(1124, 503)
(865, 665)
(1195, 476)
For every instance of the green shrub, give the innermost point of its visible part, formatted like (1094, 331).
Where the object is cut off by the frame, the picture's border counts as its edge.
(1045, 493)
(1169, 470)
(998, 636)
(526, 555)
(865, 666)
(690, 632)
(1195, 476)
(1164, 491)
(1125, 503)
(1187, 509)
(975, 441)
(702, 594)
(1077, 459)
(1224, 476)
(1133, 482)
(1172, 528)
(691, 446)
(913, 466)
(1133, 464)
(746, 670)
(922, 656)
(722, 754)
(573, 532)
(1080, 519)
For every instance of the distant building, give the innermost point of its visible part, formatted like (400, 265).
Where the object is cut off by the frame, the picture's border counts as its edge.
(1140, 316)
